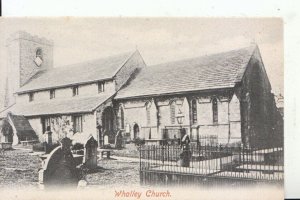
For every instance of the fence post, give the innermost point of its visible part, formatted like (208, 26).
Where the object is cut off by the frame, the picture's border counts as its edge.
(220, 155)
(141, 182)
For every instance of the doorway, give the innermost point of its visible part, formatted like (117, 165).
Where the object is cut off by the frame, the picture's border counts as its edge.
(108, 119)
(136, 131)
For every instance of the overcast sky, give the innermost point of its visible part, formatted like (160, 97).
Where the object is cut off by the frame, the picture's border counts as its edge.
(158, 39)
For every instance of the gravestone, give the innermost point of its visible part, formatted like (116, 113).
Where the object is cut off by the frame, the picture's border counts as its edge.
(90, 153)
(106, 140)
(59, 169)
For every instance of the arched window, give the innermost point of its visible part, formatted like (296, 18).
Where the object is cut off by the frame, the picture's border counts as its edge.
(172, 112)
(38, 57)
(194, 111)
(215, 110)
(148, 113)
(122, 118)
(39, 53)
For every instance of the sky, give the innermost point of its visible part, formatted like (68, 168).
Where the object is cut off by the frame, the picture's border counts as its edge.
(159, 40)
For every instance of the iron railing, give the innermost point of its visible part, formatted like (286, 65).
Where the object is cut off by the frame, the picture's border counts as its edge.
(163, 164)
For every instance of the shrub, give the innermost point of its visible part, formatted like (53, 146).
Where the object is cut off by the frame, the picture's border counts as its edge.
(77, 146)
(41, 147)
(139, 141)
(38, 147)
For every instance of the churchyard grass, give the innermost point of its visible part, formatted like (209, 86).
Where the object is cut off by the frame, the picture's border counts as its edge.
(19, 169)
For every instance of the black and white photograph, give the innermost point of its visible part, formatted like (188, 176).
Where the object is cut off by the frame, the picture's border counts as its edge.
(142, 108)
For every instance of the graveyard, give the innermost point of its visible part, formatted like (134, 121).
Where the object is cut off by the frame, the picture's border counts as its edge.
(19, 169)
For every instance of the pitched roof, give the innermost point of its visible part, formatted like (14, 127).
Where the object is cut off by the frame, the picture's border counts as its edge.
(22, 126)
(222, 70)
(86, 72)
(20, 123)
(58, 106)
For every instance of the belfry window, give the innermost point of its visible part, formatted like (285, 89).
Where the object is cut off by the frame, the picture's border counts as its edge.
(39, 53)
(38, 57)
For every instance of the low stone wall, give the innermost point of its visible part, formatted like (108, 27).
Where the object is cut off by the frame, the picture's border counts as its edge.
(6, 145)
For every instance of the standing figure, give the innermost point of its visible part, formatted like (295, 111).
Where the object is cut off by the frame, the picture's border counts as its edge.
(118, 140)
(185, 155)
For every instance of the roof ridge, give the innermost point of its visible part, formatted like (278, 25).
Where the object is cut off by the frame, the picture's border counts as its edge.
(93, 60)
(125, 61)
(206, 55)
(213, 71)
(105, 68)
(254, 47)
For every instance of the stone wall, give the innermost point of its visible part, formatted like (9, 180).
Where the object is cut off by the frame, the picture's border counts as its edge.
(135, 113)
(63, 125)
(235, 119)
(28, 48)
(86, 90)
(36, 124)
(255, 96)
(227, 129)
(13, 63)
(21, 53)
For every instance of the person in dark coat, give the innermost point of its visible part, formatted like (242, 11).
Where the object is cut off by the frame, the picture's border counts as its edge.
(185, 139)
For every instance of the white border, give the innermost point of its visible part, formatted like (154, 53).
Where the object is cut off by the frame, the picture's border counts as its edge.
(287, 9)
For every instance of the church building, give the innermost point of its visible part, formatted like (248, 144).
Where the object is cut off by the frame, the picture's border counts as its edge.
(223, 98)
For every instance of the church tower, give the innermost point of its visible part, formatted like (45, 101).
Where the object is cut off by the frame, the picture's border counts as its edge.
(27, 55)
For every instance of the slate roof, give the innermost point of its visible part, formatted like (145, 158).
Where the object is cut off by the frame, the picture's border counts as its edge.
(22, 126)
(222, 70)
(20, 123)
(59, 106)
(90, 71)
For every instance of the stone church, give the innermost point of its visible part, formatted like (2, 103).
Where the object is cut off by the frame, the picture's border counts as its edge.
(221, 98)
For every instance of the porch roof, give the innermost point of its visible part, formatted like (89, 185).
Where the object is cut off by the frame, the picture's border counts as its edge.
(58, 106)
(22, 126)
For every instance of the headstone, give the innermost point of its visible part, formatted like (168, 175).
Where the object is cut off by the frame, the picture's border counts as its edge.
(106, 140)
(90, 153)
(59, 169)
(48, 141)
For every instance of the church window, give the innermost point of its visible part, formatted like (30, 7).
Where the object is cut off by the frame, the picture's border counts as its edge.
(101, 87)
(148, 113)
(172, 112)
(38, 57)
(194, 111)
(52, 94)
(77, 124)
(215, 110)
(39, 53)
(75, 90)
(31, 96)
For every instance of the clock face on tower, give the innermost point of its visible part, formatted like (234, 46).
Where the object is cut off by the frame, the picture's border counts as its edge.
(38, 57)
